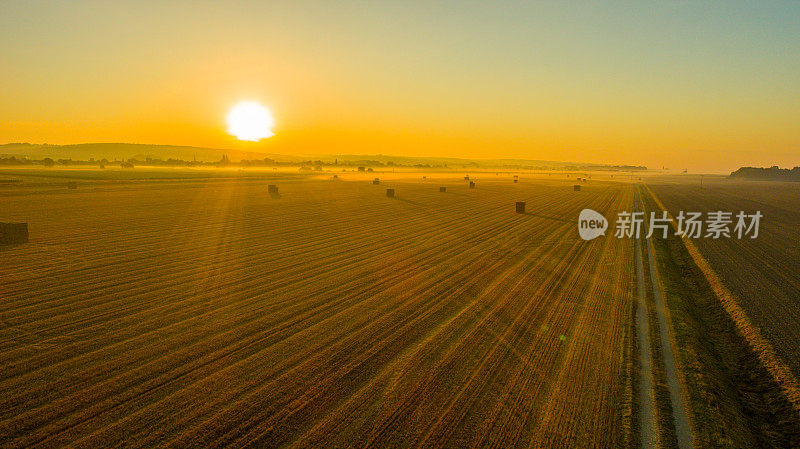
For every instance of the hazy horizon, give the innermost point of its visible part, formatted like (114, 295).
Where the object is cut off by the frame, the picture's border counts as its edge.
(236, 155)
(112, 150)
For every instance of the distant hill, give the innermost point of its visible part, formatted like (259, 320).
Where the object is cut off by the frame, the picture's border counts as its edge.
(85, 151)
(773, 173)
(141, 152)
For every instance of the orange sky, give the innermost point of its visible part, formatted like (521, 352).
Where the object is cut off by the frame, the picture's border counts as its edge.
(673, 84)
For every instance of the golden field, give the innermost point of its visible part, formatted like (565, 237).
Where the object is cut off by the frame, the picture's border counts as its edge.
(188, 307)
(203, 312)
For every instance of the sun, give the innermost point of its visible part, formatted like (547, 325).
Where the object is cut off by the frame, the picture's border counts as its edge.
(251, 121)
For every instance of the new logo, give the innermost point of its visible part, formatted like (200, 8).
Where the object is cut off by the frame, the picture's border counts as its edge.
(591, 224)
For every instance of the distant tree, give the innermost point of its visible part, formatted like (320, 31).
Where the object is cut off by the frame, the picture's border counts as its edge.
(48, 162)
(774, 173)
(12, 161)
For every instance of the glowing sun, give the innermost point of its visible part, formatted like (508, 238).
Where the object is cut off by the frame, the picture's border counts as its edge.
(249, 120)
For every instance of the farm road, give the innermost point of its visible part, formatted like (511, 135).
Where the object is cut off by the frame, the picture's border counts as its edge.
(682, 429)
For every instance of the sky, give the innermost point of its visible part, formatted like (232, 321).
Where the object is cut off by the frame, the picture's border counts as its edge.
(698, 85)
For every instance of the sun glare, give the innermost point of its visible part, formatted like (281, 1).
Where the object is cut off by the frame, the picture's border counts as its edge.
(251, 121)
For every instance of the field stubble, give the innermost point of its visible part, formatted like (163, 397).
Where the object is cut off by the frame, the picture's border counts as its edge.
(207, 313)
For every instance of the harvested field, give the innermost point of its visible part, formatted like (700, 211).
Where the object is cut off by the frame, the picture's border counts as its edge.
(201, 312)
(762, 273)
(741, 391)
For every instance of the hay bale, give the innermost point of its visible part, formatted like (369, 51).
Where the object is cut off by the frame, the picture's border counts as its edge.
(376, 181)
(520, 207)
(471, 185)
(576, 188)
(443, 189)
(13, 233)
(390, 193)
(335, 176)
